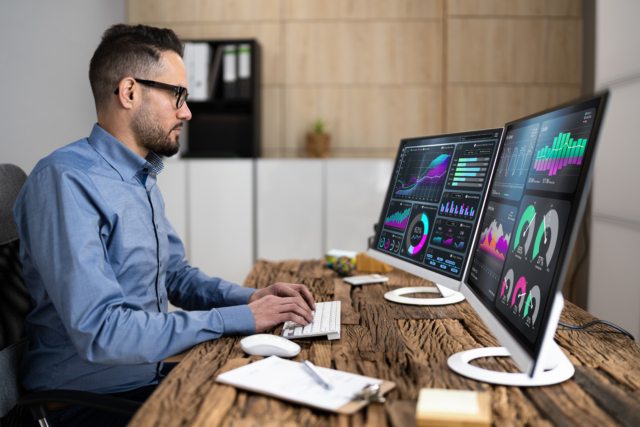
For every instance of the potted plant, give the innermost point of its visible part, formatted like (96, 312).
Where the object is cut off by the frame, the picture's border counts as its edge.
(318, 140)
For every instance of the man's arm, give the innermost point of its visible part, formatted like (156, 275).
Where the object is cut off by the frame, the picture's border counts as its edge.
(191, 289)
(64, 226)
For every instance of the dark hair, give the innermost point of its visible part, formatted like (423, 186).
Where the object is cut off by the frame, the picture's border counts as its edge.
(128, 51)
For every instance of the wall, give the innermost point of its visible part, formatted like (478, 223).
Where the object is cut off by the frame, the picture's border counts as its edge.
(378, 70)
(45, 48)
(614, 285)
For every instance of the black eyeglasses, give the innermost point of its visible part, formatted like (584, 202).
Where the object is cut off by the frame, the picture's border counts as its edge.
(178, 91)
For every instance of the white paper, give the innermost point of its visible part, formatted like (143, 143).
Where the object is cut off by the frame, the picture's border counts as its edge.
(364, 280)
(291, 381)
(451, 401)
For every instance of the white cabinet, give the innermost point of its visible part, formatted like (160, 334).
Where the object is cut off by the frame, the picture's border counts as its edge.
(221, 217)
(289, 208)
(355, 193)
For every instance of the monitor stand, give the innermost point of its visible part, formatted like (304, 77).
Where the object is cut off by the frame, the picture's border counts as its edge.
(557, 368)
(448, 296)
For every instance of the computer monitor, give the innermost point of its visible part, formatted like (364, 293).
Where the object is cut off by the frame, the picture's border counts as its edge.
(527, 231)
(434, 199)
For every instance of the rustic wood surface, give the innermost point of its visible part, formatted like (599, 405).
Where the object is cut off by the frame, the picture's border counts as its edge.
(410, 346)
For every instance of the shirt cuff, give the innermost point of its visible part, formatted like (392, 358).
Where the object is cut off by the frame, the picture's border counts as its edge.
(240, 295)
(237, 320)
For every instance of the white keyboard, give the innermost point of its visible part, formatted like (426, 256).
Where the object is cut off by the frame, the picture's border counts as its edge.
(326, 321)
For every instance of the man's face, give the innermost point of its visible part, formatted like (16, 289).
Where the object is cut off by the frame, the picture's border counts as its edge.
(157, 123)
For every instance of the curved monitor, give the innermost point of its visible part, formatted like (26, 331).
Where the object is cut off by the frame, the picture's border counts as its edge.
(433, 202)
(528, 228)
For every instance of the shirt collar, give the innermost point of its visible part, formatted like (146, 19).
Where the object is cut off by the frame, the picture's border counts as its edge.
(120, 157)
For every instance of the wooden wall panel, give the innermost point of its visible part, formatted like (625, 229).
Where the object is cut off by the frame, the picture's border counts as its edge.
(380, 70)
(369, 120)
(197, 11)
(362, 9)
(515, 50)
(363, 52)
(271, 121)
(515, 7)
(483, 106)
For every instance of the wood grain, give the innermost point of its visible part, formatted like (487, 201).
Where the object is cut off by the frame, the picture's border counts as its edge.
(197, 11)
(490, 51)
(368, 118)
(362, 9)
(482, 106)
(271, 121)
(410, 346)
(339, 52)
(549, 8)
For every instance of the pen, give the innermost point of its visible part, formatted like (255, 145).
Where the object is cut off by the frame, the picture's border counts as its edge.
(317, 375)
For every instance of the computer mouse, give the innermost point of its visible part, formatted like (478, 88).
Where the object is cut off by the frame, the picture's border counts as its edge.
(269, 345)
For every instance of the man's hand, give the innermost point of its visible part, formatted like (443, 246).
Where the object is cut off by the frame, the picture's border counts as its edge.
(280, 303)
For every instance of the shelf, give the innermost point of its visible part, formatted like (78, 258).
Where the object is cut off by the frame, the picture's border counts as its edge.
(227, 127)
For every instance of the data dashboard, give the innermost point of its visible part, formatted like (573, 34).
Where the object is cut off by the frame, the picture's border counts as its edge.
(434, 197)
(530, 202)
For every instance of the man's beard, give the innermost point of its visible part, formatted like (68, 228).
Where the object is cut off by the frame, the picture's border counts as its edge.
(150, 134)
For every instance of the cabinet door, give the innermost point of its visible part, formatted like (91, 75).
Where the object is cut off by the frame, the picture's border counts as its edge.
(355, 193)
(289, 208)
(221, 217)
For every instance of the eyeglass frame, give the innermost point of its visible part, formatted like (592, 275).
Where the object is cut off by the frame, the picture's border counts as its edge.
(177, 90)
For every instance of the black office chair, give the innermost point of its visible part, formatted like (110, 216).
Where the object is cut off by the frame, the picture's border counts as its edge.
(15, 304)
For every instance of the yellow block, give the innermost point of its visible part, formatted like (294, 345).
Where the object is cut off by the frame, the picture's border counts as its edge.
(366, 263)
(453, 408)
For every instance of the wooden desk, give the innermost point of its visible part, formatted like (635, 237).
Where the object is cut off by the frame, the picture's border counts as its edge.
(406, 344)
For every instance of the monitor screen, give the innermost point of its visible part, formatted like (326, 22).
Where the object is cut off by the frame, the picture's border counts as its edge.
(532, 207)
(434, 199)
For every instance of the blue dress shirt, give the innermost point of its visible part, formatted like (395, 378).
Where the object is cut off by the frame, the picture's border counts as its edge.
(101, 261)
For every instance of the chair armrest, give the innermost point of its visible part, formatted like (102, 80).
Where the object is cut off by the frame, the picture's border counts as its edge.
(35, 401)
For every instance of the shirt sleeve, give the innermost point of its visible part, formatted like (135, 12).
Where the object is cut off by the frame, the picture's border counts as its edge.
(189, 288)
(64, 226)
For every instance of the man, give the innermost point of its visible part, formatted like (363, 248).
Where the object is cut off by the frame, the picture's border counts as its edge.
(100, 259)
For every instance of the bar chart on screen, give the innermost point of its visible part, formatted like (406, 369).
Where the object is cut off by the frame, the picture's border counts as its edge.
(470, 166)
(559, 152)
(513, 167)
(459, 205)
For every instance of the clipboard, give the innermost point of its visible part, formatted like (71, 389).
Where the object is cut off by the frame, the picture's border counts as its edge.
(288, 380)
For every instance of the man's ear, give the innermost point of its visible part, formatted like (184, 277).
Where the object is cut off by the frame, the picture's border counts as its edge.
(126, 92)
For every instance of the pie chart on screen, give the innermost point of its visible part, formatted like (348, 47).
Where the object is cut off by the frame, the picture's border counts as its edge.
(418, 232)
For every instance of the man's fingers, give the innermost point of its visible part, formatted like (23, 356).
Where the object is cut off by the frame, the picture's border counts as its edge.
(307, 296)
(294, 318)
(285, 289)
(292, 289)
(294, 305)
(295, 308)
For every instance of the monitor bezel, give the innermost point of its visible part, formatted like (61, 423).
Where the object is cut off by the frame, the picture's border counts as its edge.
(423, 272)
(527, 359)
